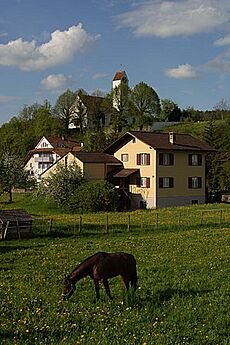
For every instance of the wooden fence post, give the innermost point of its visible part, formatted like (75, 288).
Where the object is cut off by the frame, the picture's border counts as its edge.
(107, 224)
(129, 222)
(80, 224)
(157, 220)
(201, 217)
(221, 216)
(51, 224)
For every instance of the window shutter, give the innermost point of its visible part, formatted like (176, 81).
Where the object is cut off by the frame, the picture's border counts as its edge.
(171, 182)
(199, 182)
(171, 159)
(190, 159)
(189, 182)
(160, 158)
(147, 158)
(147, 182)
(138, 159)
(160, 182)
(199, 159)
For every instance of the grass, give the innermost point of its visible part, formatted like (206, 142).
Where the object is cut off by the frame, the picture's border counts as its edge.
(183, 295)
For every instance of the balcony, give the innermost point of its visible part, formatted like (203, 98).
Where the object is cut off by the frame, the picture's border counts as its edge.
(44, 159)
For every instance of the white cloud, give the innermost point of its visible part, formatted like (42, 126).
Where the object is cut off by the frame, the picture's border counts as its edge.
(100, 75)
(173, 18)
(61, 48)
(182, 72)
(57, 82)
(224, 41)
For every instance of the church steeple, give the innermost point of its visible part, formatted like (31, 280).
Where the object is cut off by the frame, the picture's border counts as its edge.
(120, 78)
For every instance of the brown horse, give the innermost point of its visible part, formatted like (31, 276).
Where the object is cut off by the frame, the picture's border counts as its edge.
(100, 267)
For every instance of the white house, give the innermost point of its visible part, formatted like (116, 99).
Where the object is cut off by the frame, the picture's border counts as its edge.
(46, 153)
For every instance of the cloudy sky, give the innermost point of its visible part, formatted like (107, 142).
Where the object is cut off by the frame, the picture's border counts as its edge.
(179, 47)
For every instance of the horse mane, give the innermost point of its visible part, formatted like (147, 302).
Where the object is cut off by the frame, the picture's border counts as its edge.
(88, 261)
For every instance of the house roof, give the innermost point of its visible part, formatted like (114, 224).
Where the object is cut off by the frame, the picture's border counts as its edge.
(119, 75)
(125, 172)
(160, 141)
(61, 147)
(12, 215)
(63, 142)
(96, 157)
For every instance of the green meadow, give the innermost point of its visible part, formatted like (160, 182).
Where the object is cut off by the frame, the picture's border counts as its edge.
(183, 294)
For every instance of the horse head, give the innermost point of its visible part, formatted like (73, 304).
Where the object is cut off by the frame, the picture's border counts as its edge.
(69, 288)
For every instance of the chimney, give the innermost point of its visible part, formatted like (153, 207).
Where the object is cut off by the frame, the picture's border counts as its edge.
(172, 138)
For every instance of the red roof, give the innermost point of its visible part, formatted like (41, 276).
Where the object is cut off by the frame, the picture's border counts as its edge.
(119, 75)
(96, 157)
(160, 141)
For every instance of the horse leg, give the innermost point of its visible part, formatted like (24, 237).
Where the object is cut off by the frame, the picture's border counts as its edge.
(126, 282)
(96, 284)
(107, 289)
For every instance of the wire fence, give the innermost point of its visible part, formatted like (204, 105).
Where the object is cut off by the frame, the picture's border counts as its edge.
(129, 222)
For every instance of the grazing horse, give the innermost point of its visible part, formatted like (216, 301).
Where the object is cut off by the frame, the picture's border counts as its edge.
(100, 267)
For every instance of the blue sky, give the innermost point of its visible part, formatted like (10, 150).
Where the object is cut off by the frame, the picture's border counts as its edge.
(179, 47)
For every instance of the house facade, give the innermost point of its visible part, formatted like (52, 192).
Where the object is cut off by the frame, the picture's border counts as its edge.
(46, 153)
(93, 165)
(160, 169)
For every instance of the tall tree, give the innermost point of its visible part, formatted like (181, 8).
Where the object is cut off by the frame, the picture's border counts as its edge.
(116, 104)
(167, 107)
(12, 174)
(64, 109)
(145, 105)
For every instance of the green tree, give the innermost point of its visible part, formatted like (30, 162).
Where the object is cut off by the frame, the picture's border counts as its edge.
(12, 174)
(64, 109)
(61, 184)
(145, 105)
(116, 105)
(167, 107)
(94, 196)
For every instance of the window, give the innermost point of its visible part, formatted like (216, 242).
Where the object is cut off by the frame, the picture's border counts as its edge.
(143, 182)
(124, 157)
(195, 159)
(166, 182)
(166, 159)
(194, 202)
(194, 182)
(143, 159)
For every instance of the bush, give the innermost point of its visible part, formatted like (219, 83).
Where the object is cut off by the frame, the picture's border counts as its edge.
(59, 186)
(94, 196)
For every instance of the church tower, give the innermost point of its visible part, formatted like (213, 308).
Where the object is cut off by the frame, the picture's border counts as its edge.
(120, 79)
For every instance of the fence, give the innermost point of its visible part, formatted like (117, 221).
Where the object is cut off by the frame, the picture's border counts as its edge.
(130, 222)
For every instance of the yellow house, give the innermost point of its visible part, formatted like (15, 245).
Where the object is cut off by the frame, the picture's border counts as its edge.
(94, 165)
(160, 169)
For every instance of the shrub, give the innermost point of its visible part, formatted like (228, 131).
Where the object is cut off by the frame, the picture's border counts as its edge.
(94, 196)
(59, 186)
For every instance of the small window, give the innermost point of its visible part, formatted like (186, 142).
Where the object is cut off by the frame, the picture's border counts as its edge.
(194, 182)
(166, 159)
(194, 202)
(143, 159)
(195, 159)
(124, 157)
(166, 182)
(143, 182)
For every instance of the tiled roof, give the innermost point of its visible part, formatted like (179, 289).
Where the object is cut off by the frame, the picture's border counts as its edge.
(95, 157)
(62, 142)
(10, 215)
(125, 172)
(160, 141)
(119, 75)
